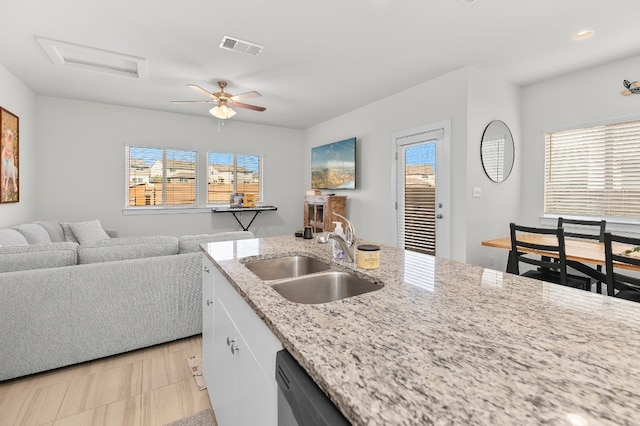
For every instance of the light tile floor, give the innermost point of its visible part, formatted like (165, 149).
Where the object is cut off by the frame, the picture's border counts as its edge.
(150, 386)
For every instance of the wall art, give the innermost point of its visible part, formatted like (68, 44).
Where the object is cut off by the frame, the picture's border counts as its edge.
(9, 157)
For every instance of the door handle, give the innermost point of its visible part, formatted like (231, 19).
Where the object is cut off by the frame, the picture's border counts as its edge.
(438, 216)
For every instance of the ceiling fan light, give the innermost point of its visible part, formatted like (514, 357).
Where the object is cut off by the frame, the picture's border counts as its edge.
(222, 112)
(582, 35)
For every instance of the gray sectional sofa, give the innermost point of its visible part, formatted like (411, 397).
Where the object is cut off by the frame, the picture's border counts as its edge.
(72, 292)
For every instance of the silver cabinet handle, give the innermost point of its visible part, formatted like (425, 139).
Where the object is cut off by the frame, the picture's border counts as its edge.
(438, 216)
(205, 269)
(209, 302)
(235, 349)
(230, 341)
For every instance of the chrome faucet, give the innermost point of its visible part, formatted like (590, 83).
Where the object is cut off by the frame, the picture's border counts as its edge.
(346, 241)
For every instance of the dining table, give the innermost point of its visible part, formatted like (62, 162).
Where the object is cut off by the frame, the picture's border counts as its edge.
(583, 255)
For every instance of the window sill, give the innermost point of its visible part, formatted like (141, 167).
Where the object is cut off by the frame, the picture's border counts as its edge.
(613, 224)
(139, 211)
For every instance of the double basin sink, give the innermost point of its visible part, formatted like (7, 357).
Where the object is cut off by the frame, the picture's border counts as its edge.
(304, 279)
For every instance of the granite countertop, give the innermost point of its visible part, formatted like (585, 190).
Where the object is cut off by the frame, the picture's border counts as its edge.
(444, 342)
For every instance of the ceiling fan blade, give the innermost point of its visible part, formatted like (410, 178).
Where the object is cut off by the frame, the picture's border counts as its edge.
(194, 102)
(247, 106)
(201, 90)
(625, 92)
(247, 95)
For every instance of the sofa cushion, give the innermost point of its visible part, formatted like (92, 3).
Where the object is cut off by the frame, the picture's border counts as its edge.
(26, 257)
(127, 248)
(54, 229)
(191, 243)
(34, 233)
(67, 232)
(89, 231)
(11, 237)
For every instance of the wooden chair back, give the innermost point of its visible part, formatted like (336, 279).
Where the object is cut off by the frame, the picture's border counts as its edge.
(624, 285)
(588, 230)
(594, 229)
(544, 263)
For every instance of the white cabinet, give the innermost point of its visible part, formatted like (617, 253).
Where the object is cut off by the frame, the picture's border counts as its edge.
(224, 382)
(242, 351)
(207, 318)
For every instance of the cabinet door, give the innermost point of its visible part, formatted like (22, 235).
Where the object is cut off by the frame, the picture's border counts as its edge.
(207, 320)
(257, 390)
(223, 388)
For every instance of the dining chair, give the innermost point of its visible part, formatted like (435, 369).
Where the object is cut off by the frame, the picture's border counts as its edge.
(622, 285)
(552, 268)
(587, 230)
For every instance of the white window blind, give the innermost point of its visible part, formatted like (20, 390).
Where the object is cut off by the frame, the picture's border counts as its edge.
(229, 174)
(418, 221)
(594, 171)
(160, 177)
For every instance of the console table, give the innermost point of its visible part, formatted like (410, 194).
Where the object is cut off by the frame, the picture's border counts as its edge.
(233, 210)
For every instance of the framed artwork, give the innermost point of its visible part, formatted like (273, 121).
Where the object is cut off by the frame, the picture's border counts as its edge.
(9, 157)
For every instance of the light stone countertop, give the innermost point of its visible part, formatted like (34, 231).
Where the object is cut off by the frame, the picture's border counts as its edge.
(448, 343)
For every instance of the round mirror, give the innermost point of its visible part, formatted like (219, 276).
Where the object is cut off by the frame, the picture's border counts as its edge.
(497, 151)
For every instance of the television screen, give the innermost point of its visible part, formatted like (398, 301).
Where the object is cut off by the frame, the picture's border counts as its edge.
(333, 166)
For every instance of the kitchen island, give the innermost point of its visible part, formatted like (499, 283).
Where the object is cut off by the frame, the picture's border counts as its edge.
(444, 342)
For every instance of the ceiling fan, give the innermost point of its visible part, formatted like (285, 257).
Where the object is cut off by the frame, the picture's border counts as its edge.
(630, 87)
(224, 101)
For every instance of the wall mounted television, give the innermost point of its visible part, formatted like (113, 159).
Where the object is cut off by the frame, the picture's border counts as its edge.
(333, 166)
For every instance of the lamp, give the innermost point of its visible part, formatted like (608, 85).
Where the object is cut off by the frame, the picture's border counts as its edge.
(222, 112)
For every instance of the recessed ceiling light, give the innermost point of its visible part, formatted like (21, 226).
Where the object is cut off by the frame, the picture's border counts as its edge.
(582, 35)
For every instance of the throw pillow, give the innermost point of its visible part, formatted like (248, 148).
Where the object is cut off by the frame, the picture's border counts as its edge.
(54, 229)
(68, 233)
(11, 237)
(89, 231)
(34, 233)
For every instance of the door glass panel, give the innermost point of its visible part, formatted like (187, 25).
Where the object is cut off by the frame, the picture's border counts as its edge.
(420, 197)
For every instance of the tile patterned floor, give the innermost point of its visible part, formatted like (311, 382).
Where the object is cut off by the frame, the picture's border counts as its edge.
(151, 386)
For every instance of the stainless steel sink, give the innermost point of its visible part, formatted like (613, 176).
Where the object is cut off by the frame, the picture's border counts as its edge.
(286, 267)
(324, 287)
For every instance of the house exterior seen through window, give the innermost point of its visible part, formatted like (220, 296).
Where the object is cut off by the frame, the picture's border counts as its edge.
(229, 174)
(161, 177)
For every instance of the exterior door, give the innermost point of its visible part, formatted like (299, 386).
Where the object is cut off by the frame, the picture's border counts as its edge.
(422, 189)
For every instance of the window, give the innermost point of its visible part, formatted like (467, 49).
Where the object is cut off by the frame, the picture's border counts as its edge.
(160, 177)
(228, 174)
(594, 171)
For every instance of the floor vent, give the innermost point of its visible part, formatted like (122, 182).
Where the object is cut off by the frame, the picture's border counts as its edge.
(241, 46)
(92, 59)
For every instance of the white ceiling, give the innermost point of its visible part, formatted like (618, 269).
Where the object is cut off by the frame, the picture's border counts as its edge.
(321, 59)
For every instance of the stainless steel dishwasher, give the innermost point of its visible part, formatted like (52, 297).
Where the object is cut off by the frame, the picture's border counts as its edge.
(300, 401)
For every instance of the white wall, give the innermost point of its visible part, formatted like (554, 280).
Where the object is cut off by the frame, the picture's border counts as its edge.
(370, 206)
(21, 101)
(470, 99)
(81, 172)
(70, 134)
(590, 95)
(489, 215)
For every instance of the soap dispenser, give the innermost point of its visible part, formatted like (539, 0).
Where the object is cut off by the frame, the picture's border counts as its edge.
(338, 252)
